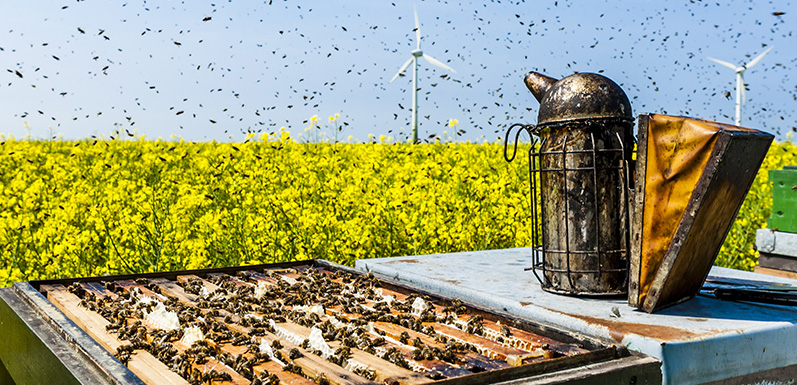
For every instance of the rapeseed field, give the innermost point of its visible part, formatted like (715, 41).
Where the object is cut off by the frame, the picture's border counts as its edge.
(104, 207)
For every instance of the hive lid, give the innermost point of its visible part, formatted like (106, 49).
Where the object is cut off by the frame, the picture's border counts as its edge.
(692, 176)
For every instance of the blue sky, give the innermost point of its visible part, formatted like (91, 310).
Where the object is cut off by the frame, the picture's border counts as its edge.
(217, 70)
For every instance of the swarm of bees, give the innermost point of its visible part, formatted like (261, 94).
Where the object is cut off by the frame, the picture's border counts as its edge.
(239, 313)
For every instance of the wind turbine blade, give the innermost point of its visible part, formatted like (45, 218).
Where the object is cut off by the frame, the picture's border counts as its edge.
(403, 67)
(758, 58)
(722, 63)
(438, 63)
(417, 27)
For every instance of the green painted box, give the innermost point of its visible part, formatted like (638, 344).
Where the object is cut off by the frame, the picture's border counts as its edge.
(784, 199)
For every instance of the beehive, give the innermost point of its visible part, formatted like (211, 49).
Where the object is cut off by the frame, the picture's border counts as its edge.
(301, 324)
(784, 199)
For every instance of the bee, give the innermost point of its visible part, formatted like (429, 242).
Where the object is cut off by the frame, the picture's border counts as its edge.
(123, 353)
(475, 326)
(369, 374)
(177, 364)
(244, 367)
(344, 353)
(241, 340)
(293, 368)
(294, 354)
(141, 344)
(261, 357)
(195, 378)
(266, 378)
(447, 355)
(216, 375)
(153, 287)
(76, 289)
(321, 379)
(113, 326)
(200, 358)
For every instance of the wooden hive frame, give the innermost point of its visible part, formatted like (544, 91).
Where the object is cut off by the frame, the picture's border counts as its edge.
(502, 348)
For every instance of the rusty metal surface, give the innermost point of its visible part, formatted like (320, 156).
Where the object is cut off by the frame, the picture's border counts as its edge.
(578, 96)
(700, 340)
(694, 175)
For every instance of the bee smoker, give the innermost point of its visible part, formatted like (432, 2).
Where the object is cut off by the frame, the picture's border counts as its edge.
(580, 183)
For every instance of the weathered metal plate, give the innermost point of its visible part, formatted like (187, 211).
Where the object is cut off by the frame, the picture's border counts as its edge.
(692, 177)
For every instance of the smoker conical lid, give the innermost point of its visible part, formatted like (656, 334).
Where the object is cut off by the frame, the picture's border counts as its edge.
(583, 96)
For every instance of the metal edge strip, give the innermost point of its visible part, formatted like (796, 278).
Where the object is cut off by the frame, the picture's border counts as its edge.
(88, 352)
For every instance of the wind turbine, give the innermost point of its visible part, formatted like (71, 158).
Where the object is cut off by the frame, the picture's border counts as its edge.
(416, 53)
(740, 80)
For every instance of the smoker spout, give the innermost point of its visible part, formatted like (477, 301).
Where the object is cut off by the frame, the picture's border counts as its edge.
(538, 84)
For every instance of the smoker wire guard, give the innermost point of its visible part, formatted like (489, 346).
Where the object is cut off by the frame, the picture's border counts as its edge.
(535, 171)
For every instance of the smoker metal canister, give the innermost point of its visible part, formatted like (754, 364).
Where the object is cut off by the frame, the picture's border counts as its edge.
(585, 131)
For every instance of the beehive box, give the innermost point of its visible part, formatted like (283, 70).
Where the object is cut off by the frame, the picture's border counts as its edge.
(303, 323)
(784, 199)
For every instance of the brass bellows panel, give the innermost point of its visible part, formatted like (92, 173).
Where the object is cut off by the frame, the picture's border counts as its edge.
(692, 176)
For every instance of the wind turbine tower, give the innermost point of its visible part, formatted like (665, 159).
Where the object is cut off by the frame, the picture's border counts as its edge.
(417, 53)
(740, 80)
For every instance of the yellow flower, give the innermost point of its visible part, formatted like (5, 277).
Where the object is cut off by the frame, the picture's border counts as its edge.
(453, 122)
(89, 208)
